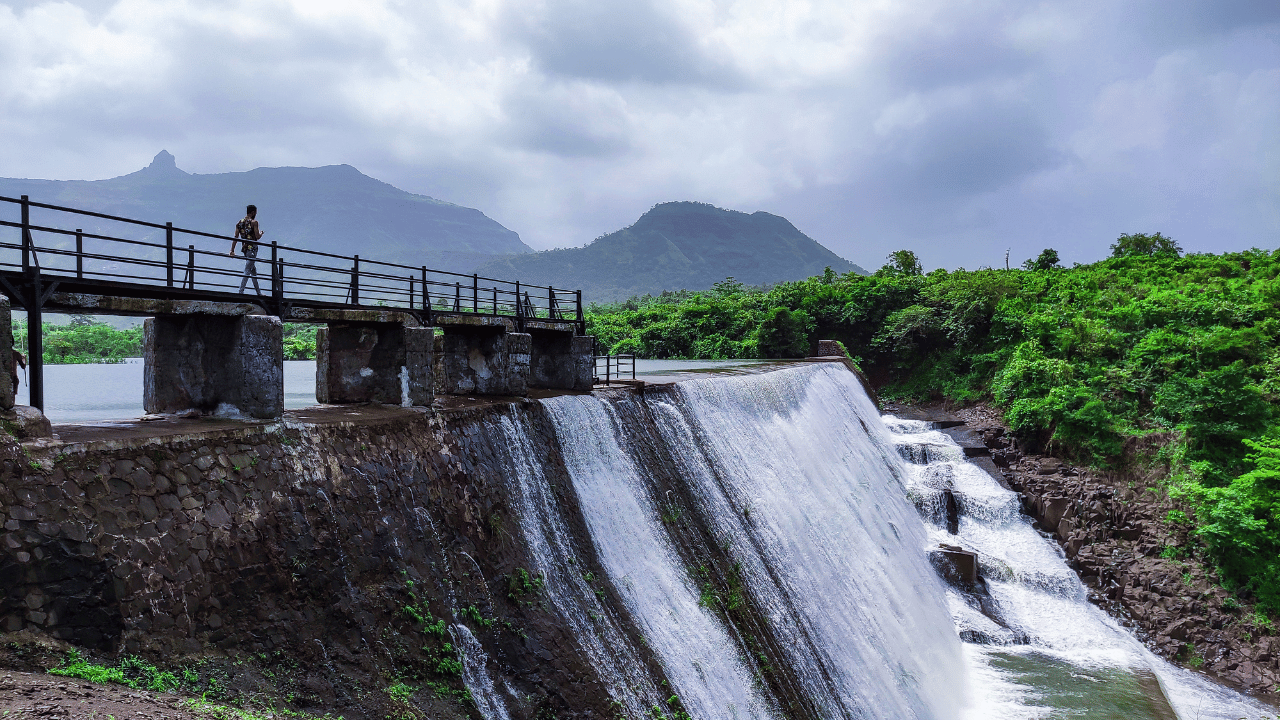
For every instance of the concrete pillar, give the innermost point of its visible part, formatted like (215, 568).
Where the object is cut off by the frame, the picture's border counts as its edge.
(561, 360)
(483, 361)
(223, 364)
(6, 362)
(374, 362)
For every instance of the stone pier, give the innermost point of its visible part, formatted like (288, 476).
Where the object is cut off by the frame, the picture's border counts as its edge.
(214, 363)
(374, 362)
(561, 360)
(483, 360)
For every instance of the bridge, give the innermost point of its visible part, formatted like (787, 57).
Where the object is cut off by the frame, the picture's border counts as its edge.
(209, 347)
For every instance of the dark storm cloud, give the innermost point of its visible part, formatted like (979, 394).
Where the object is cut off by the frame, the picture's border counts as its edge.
(613, 42)
(957, 129)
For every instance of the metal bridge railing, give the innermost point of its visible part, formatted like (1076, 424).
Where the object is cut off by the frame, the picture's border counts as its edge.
(51, 240)
(614, 367)
(49, 247)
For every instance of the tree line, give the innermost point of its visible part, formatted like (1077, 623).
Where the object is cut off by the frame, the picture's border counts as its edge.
(1150, 356)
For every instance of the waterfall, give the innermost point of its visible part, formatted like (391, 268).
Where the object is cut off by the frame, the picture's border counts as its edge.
(1051, 651)
(699, 657)
(827, 514)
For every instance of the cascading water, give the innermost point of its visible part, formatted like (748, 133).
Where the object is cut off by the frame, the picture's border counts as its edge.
(812, 495)
(699, 657)
(801, 485)
(550, 542)
(1056, 654)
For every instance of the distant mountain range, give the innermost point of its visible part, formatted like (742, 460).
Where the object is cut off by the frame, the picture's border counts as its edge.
(337, 209)
(333, 209)
(674, 246)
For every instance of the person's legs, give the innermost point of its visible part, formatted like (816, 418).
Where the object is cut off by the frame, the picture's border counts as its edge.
(250, 270)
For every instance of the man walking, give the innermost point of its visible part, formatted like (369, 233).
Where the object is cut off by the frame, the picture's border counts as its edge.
(248, 234)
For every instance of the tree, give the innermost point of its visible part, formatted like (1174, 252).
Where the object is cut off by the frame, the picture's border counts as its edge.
(1144, 245)
(784, 334)
(902, 262)
(1048, 259)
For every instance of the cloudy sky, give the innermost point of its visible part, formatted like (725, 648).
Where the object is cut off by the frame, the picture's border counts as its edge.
(957, 128)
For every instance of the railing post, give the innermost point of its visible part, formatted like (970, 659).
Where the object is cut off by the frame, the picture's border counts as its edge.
(277, 285)
(582, 324)
(411, 281)
(551, 303)
(475, 293)
(426, 294)
(168, 254)
(79, 253)
(355, 281)
(190, 281)
(26, 235)
(457, 296)
(495, 299)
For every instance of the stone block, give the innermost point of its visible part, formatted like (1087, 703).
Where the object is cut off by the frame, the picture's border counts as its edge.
(25, 422)
(829, 348)
(224, 364)
(561, 360)
(483, 360)
(956, 566)
(383, 363)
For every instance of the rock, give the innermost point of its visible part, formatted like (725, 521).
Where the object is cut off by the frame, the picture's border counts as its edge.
(956, 566)
(25, 422)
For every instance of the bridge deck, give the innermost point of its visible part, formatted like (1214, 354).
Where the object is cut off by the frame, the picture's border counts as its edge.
(124, 266)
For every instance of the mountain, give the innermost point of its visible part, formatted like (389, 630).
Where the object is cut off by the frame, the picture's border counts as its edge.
(674, 246)
(334, 209)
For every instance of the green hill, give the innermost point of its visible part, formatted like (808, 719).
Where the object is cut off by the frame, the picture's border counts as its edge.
(677, 246)
(333, 209)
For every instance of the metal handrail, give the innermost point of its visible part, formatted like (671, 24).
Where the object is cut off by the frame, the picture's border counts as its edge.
(307, 276)
(615, 368)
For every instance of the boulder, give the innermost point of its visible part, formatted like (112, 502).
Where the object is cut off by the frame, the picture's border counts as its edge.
(956, 566)
(25, 422)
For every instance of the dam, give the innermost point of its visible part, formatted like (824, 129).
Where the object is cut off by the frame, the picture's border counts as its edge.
(758, 545)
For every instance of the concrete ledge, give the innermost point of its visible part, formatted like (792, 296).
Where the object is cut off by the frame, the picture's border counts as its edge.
(338, 315)
(108, 305)
(563, 326)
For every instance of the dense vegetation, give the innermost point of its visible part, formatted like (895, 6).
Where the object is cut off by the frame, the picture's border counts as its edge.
(83, 340)
(1147, 356)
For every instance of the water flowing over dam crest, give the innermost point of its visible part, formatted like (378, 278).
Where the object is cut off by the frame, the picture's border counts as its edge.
(752, 546)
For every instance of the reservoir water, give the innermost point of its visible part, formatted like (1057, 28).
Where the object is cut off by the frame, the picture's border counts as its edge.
(96, 393)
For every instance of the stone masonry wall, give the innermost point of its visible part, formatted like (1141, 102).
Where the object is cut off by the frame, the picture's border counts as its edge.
(302, 542)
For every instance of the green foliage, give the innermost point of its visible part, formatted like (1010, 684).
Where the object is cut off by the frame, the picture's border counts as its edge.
(902, 262)
(522, 585)
(300, 341)
(130, 671)
(1175, 357)
(1046, 260)
(1141, 244)
(83, 340)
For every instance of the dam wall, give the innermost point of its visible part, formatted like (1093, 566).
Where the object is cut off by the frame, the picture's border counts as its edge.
(334, 545)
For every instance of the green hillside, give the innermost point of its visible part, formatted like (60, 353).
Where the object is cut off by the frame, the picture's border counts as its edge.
(677, 246)
(333, 209)
(1145, 358)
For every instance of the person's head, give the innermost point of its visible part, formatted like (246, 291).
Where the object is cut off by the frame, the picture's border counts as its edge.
(251, 211)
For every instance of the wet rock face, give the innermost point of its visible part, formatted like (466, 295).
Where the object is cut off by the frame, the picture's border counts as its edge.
(1116, 536)
(332, 549)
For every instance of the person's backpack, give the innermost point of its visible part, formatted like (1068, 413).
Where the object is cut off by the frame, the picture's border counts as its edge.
(244, 229)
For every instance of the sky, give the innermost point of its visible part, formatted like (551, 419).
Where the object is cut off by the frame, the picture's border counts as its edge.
(960, 129)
